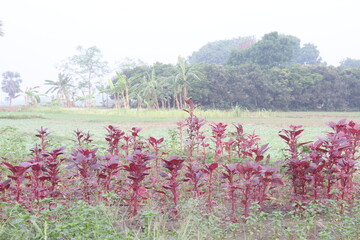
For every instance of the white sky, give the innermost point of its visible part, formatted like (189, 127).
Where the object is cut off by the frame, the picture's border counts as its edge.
(39, 34)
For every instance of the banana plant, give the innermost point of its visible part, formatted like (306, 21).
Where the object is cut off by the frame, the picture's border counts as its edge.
(31, 95)
(121, 89)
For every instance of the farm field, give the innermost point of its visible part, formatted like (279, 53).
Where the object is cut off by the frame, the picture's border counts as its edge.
(62, 122)
(111, 215)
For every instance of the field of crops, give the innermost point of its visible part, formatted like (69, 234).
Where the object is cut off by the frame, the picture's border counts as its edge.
(194, 174)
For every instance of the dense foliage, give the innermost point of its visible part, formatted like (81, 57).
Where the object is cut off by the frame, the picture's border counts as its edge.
(275, 49)
(296, 87)
(218, 52)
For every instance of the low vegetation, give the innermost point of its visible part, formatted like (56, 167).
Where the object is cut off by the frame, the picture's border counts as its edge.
(204, 182)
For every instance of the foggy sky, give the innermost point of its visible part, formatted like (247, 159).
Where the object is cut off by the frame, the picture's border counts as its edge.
(39, 34)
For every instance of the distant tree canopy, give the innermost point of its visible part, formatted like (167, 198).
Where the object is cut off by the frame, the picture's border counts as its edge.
(350, 63)
(290, 87)
(218, 52)
(305, 55)
(85, 67)
(274, 50)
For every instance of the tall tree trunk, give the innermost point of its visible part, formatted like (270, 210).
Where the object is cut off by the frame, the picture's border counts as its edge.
(123, 99)
(139, 103)
(156, 102)
(181, 101)
(127, 98)
(174, 101)
(163, 103)
(177, 101)
(185, 93)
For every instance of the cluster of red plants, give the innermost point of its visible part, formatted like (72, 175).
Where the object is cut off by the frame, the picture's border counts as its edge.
(230, 167)
(324, 169)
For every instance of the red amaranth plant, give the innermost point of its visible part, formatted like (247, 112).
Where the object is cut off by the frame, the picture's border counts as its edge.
(173, 165)
(209, 170)
(82, 137)
(240, 139)
(137, 144)
(113, 138)
(180, 126)
(296, 166)
(156, 145)
(316, 168)
(36, 175)
(228, 146)
(86, 163)
(342, 146)
(126, 145)
(43, 134)
(108, 169)
(52, 169)
(291, 138)
(195, 175)
(353, 131)
(18, 175)
(229, 174)
(256, 152)
(137, 169)
(248, 172)
(204, 146)
(218, 134)
(193, 124)
(335, 146)
(268, 179)
(4, 185)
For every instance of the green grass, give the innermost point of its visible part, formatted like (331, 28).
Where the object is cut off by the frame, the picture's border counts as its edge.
(19, 115)
(82, 221)
(61, 122)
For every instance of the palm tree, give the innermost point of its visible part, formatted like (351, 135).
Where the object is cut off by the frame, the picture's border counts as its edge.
(185, 73)
(62, 86)
(11, 84)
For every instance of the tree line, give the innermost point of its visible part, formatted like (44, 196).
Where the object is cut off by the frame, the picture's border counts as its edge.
(295, 87)
(275, 72)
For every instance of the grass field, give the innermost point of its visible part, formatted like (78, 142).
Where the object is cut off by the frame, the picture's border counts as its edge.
(111, 221)
(62, 122)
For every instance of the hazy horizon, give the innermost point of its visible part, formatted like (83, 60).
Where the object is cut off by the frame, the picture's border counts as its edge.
(39, 34)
